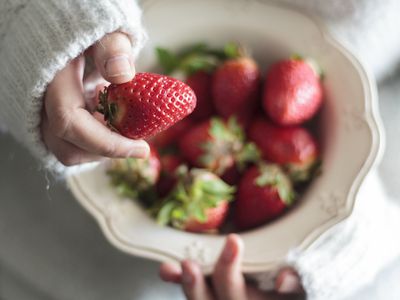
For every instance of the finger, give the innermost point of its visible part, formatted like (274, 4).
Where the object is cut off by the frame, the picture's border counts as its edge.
(227, 278)
(170, 273)
(288, 282)
(70, 121)
(113, 58)
(92, 85)
(83, 130)
(65, 152)
(193, 282)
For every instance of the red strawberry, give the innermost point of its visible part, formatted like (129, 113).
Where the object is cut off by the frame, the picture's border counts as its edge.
(198, 203)
(293, 147)
(236, 87)
(134, 177)
(215, 216)
(231, 175)
(167, 181)
(292, 92)
(201, 83)
(217, 145)
(172, 134)
(148, 104)
(264, 193)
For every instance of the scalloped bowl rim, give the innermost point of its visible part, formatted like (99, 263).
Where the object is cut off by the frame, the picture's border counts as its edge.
(374, 125)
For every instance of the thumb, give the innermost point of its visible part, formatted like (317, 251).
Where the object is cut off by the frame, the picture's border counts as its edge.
(114, 59)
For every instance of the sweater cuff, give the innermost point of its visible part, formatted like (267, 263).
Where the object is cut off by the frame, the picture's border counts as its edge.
(44, 37)
(351, 254)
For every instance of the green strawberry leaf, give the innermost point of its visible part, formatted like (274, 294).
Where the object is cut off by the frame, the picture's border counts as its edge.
(199, 214)
(286, 193)
(191, 198)
(268, 175)
(199, 48)
(232, 50)
(197, 62)
(249, 154)
(272, 175)
(218, 188)
(296, 56)
(304, 173)
(197, 57)
(178, 213)
(126, 190)
(164, 214)
(168, 60)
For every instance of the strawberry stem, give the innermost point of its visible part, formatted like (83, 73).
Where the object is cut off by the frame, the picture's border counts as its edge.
(109, 110)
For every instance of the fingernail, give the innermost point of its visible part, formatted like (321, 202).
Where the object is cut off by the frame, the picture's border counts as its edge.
(119, 66)
(228, 252)
(139, 150)
(289, 284)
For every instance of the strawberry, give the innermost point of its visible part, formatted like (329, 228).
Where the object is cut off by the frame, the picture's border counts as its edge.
(198, 203)
(148, 104)
(171, 135)
(292, 92)
(293, 147)
(167, 181)
(264, 193)
(201, 82)
(135, 178)
(215, 216)
(236, 87)
(217, 146)
(231, 175)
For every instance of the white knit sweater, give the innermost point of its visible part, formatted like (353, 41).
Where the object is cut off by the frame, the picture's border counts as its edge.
(38, 38)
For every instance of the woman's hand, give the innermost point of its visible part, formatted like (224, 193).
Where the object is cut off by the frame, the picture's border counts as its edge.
(70, 129)
(227, 281)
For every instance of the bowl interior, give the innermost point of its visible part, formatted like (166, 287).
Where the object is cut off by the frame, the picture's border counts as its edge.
(349, 136)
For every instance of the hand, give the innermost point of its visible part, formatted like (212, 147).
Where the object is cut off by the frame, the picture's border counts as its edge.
(69, 129)
(227, 281)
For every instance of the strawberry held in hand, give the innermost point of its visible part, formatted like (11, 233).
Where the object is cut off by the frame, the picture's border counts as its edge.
(147, 105)
(292, 92)
(293, 147)
(198, 203)
(264, 193)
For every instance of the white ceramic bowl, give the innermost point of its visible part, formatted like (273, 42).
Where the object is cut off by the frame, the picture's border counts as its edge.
(351, 139)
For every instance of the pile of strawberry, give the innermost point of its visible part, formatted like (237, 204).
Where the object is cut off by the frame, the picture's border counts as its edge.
(242, 152)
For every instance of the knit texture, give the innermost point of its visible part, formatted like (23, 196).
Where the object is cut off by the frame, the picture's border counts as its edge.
(38, 38)
(370, 28)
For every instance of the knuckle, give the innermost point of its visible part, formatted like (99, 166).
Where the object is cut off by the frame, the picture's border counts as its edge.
(109, 149)
(62, 122)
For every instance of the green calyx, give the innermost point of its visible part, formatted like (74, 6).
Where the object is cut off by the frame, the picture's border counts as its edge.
(227, 146)
(196, 191)
(133, 178)
(197, 57)
(272, 175)
(305, 172)
(109, 110)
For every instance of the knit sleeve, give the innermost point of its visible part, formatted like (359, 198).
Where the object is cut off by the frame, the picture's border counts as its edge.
(37, 39)
(349, 255)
